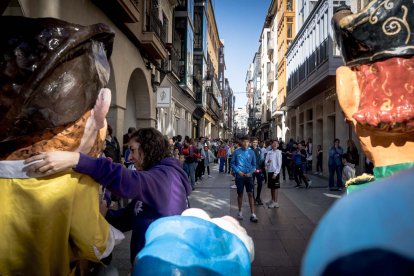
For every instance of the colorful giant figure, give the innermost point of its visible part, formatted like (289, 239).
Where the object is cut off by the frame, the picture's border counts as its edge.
(369, 231)
(52, 97)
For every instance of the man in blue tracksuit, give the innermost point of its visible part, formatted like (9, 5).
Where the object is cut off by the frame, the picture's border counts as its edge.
(243, 164)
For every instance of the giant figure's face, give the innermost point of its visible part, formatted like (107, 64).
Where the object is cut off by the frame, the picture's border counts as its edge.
(386, 100)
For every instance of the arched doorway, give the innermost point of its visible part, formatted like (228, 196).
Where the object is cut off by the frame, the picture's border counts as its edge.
(139, 111)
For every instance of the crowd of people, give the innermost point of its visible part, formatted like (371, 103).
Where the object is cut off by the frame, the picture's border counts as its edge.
(251, 162)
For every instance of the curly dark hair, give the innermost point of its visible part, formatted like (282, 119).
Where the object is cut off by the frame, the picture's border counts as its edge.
(153, 145)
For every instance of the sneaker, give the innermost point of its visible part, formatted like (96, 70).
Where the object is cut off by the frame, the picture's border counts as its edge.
(320, 173)
(234, 186)
(240, 216)
(259, 201)
(308, 185)
(297, 186)
(269, 202)
(274, 205)
(210, 176)
(253, 218)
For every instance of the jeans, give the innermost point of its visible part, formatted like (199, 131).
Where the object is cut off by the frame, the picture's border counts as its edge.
(229, 165)
(222, 161)
(259, 177)
(338, 170)
(190, 169)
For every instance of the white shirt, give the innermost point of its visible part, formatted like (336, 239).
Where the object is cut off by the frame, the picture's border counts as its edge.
(274, 161)
(264, 151)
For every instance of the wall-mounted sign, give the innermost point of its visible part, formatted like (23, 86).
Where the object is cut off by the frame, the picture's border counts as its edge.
(164, 97)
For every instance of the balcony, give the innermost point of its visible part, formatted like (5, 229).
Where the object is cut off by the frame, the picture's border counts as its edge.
(173, 63)
(270, 46)
(213, 106)
(310, 59)
(154, 36)
(270, 77)
(175, 58)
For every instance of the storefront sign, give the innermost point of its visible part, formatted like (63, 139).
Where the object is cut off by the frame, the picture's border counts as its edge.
(164, 97)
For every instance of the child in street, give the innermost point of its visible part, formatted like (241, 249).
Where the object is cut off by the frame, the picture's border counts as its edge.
(222, 154)
(209, 158)
(348, 172)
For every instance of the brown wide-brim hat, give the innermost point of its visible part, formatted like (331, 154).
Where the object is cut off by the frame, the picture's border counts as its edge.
(51, 72)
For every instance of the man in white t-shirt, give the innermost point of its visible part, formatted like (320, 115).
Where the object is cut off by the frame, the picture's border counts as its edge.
(273, 163)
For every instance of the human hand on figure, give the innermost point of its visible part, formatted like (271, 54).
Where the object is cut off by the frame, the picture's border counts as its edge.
(241, 173)
(274, 176)
(247, 175)
(49, 163)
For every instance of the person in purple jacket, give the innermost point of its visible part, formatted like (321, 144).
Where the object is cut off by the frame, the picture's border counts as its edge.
(158, 188)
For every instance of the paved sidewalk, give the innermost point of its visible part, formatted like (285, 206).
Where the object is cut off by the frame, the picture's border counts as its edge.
(281, 235)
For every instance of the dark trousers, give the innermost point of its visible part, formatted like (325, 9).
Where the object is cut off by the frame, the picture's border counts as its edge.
(298, 175)
(285, 167)
(259, 177)
(291, 168)
(200, 169)
(338, 170)
(229, 165)
(208, 169)
(319, 165)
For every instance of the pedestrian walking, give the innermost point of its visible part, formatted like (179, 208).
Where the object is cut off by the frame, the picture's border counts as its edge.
(176, 154)
(112, 148)
(222, 158)
(190, 163)
(125, 139)
(258, 173)
(178, 145)
(309, 155)
(273, 163)
(285, 161)
(304, 155)
(297, 157)
(335, 165)
(319, 161)
(243, 164)
(229, 154)
(353, 152)
(208, 159)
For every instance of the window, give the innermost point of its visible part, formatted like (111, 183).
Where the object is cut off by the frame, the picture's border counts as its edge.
(289, 5)
(290, 27)
(165, 26)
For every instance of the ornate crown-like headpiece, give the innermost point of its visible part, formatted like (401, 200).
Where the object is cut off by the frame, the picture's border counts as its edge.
(384, 29)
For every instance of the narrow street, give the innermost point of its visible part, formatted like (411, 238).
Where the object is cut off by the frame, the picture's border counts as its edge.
(281, 235)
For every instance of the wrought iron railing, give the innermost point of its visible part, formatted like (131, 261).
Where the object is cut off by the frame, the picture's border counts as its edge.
(155, 25)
